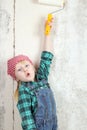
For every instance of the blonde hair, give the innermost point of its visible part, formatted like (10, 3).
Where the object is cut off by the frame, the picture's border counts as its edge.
(16, 93)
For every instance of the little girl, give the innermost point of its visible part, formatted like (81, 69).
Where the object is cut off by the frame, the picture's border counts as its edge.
(36, 102)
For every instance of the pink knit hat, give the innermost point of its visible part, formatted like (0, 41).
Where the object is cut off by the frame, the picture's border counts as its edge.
(12, 63)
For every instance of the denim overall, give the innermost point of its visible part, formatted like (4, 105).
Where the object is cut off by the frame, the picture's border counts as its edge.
(36, 102)
(45, 116)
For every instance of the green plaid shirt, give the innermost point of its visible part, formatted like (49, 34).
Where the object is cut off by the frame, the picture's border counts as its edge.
(27, 101)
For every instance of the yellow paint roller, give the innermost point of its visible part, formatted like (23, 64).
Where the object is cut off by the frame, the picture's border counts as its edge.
(60, 4)
(49, 19)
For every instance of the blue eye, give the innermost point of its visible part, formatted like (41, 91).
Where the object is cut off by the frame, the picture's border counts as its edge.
(19, 69)
(27, 65)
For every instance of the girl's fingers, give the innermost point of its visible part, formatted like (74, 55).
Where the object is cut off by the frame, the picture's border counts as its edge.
(49, 23)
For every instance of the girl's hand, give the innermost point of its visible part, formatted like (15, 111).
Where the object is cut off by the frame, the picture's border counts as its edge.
(48, 24)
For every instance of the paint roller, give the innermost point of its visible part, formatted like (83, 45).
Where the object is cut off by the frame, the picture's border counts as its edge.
(60, 4)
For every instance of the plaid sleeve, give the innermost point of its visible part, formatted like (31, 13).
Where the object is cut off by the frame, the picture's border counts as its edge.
(24, 107)
(43, 70)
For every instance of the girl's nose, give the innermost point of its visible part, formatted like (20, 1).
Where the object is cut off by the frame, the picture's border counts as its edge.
(25, 69)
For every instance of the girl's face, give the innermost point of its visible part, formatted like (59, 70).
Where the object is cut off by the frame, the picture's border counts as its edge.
(24, 71)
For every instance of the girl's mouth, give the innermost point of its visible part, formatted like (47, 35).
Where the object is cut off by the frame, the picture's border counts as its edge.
(28, 74)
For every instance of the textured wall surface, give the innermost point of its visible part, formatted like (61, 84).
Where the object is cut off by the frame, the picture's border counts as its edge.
(69, 70)
(6, 50)
(21, 24)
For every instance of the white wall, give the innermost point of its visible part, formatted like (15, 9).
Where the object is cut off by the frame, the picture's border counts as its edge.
(68, 76)
(6, 51)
